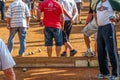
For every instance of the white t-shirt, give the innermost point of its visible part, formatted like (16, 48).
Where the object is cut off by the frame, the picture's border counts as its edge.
(78, 0)
(104, 12)
(69, 6)
(18, 11)
(6, 60)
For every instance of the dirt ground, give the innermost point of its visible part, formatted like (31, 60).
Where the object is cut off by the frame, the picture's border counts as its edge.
(55, 74)
(35, 41)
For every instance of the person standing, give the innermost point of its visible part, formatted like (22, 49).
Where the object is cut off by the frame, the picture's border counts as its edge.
(33, 9)
(79, 4)
(6, 62)
(38, 5)
(53, 21)
(2, 9)
(18, 17)
(90, 29)
(70, 12)
(106, 37)
(28, 2)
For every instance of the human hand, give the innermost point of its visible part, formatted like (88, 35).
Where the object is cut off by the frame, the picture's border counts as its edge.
(113, 19)
(28, 26)
(72, 21)
(41, 23)
(8, 26)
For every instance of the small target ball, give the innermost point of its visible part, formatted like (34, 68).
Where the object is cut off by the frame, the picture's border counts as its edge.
(24, 69)
(29, 53)
(32, 52)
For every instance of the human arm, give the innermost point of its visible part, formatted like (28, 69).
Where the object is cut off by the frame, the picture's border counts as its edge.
(90, 13)
(27, 14)
(28, 20)
(67, 14)
(8, 17)
(74, 14)
(40, 14)
(8, 22)
(7, 61)
(89, 17)
(95, 16)
(62, 21)
(9, 73)
(64, 10)
(116, 17)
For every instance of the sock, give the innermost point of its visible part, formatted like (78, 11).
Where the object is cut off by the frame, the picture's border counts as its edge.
(89, 50)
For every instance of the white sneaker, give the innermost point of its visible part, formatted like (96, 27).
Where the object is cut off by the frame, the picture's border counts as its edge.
(88, 54)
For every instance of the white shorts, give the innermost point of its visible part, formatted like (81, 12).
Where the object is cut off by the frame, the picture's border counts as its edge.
(90, 28)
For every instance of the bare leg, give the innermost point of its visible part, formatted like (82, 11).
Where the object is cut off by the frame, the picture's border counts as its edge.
(58, 50)
(95, 50)
(95, 45)
(49, 51)
(32, 14)
(68, 45)
(87, 41)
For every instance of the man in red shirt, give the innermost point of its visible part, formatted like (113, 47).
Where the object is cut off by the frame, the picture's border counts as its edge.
(53, 20)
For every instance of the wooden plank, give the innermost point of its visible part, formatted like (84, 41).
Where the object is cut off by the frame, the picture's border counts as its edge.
(52, 61)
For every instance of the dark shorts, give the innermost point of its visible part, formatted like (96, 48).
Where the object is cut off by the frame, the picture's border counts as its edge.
(67, 30)
(53, 33)
(33, 5)
(79, 6)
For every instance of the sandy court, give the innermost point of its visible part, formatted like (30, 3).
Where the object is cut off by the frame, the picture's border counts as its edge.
(35, 40)
(55, 74)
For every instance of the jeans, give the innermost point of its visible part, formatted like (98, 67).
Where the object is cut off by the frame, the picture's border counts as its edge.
(51, 33)
(2, 10)
(106, 40)
(22, 38)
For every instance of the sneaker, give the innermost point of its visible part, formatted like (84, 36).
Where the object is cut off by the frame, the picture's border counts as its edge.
(73, 52)
(89, 54)
(33, 17)
(64, 54)
(21, 55)
(113, 78)
(99, 76)
(84, 54)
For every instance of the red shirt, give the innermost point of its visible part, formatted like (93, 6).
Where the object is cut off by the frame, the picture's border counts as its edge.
(52, 11)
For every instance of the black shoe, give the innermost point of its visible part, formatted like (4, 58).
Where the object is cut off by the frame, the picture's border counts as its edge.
(64, 54)
(73, 52)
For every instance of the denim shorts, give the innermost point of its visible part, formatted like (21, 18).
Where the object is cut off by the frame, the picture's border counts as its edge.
(53, 33)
